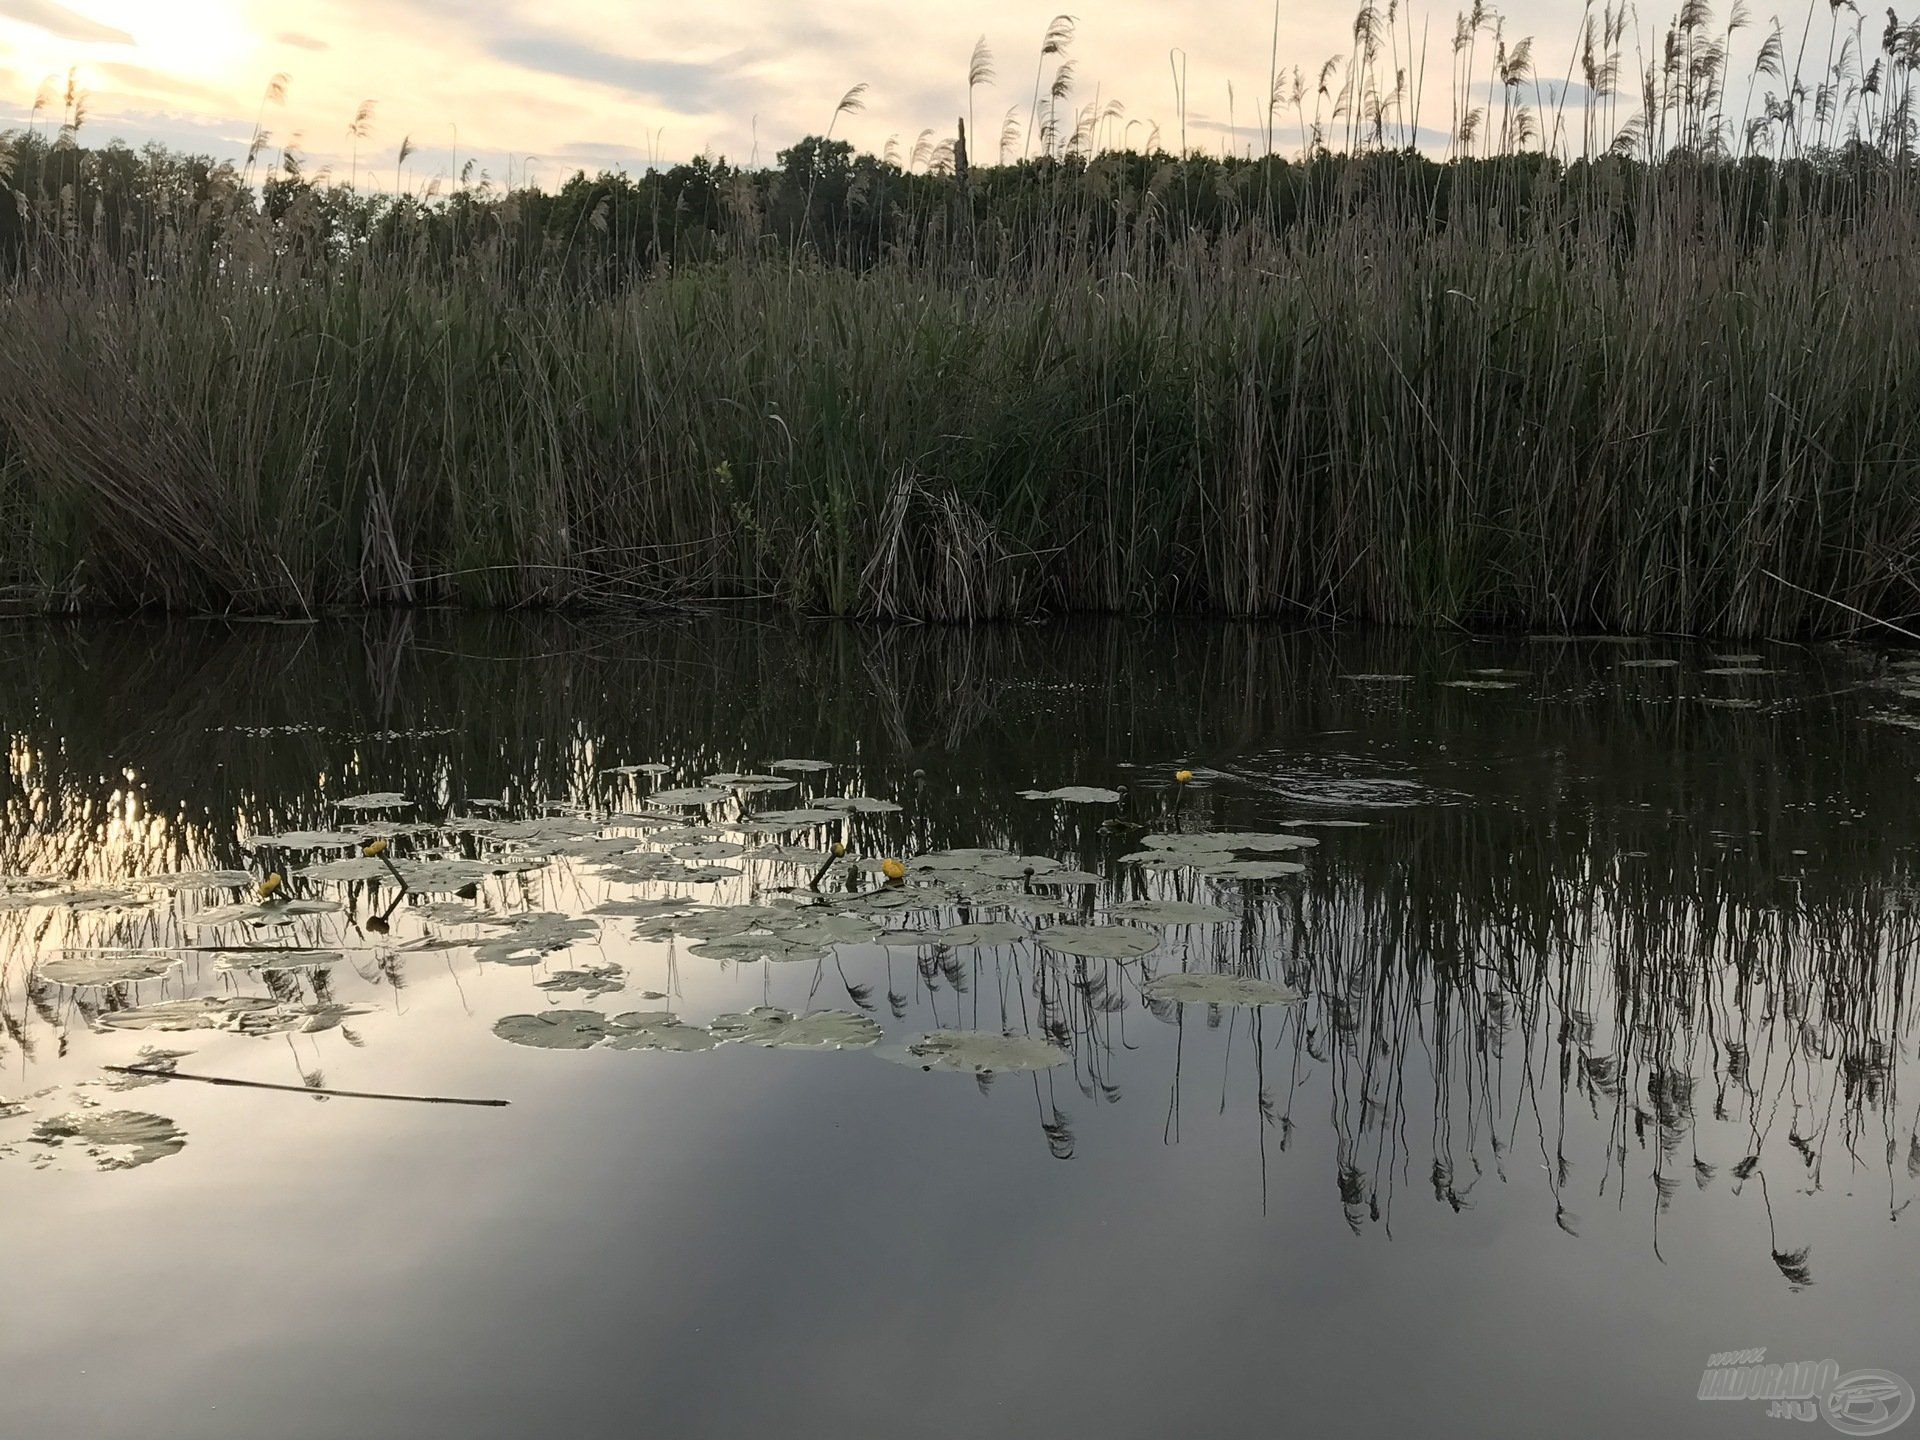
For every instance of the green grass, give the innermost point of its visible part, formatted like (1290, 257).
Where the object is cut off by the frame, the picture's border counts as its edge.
(1494, 394)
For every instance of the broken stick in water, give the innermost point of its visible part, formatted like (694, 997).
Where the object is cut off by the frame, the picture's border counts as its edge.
(297, 1089)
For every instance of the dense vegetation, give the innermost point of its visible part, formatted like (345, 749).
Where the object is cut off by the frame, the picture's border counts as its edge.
(1668, 385)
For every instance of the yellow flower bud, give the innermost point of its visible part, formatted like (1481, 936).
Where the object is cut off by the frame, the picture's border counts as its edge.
(269, 885)
(374, 848)
(893, 870)
(839, 848)
(1182, 776)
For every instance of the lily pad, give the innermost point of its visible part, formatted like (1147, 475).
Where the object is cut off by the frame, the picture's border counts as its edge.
(705, 924)
(1099, 942)
(708, 850)
(534, 935)
(857, 804)
(304, 840)
(1219, 990)
(1661, 664)
(1479, 684)
(1177, 840)
(449, 877)
(841, 928)
(773, 821)
(801, 765)
(770, 1026)
(283, 912)
(453, 912)
(657, 1030)
(1171, 859)
(641, 909)
(266, 961)
(81, 900)
(936, 861)
(1260, 842)
(83, 968)
(705, 874)
(978, 1052)
(374, 800)
(554, 1029)
(1075, 795)
(112, 1139)
(639, 869)
(690, 795)
(980, 932)
(1251, 869)
(352, 870)
(198, 880)
(752, 947)
(1172, 912)
(247, 1014)
(590, 980)
(544, 831)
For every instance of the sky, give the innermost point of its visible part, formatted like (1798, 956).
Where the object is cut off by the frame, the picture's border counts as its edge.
(537, 89)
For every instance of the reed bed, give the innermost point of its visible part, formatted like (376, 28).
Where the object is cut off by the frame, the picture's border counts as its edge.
(1664, 387)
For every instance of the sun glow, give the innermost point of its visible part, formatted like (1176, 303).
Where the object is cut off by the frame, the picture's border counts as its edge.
(178, 48)
(198, 39)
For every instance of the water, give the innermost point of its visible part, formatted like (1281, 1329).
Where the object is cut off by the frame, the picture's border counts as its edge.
(1602, 1062)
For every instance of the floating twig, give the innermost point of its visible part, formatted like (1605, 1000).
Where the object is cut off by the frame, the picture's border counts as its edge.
(296, 1089)
(1850, 609)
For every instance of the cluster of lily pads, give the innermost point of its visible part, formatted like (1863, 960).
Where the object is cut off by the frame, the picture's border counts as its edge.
(1493, 677)
(92, 1135)
(769, 1027)
(674, 836)
(1003, 897)
(764, 1025)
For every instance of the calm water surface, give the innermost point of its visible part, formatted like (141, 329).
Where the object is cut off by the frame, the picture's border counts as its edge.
(1585, 1047)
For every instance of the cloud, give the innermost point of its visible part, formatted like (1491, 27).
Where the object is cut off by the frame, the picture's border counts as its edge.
(1545, 89)
(220, 139)
(301, 42)
(1251, 139)
(682, 86)
(58, 20)
(598, 152)
(139, 80)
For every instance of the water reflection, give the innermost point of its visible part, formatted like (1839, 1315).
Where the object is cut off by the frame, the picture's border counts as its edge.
(1571, 924)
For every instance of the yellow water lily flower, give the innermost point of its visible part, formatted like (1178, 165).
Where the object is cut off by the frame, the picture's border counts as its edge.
(893, 870)
(839, 848)
(269, 885)
(1182, 776)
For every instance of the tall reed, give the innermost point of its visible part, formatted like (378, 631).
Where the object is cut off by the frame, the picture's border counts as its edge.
(1665, 387)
